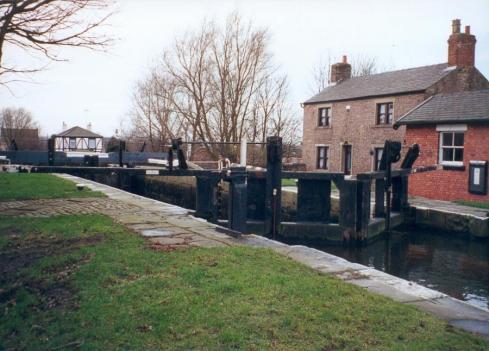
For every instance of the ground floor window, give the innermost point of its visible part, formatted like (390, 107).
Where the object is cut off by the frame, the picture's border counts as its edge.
(378, 151)
(452, 148)
(91, 143)
(72, 143)
(322, 157)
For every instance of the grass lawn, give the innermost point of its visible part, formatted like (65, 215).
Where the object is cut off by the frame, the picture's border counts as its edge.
(85, 282)
(22, 186)
(292, 182)
(472, 203)
(289, 182)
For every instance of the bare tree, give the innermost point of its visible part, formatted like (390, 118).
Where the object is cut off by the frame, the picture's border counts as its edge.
(362, 65)
(18, 127)
(153, 116)
(223, 85)
(39, 26)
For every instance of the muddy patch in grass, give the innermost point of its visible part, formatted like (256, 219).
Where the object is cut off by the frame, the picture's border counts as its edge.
(53, 288)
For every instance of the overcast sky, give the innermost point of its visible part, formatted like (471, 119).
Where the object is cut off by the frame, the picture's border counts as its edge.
(97, 87)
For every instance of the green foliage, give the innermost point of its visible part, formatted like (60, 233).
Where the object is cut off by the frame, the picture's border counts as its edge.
(289, 182)
(111, 290)
(473, 203)
(22, 186)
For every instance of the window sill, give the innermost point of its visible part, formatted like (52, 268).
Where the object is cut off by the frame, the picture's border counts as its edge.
(453, 167)
(390, 126)
(323, 127)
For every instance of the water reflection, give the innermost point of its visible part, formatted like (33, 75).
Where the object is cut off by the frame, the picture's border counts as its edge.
(455, 266)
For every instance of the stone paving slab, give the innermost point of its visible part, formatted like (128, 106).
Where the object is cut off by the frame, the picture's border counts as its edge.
(447, 206)
(150, 215)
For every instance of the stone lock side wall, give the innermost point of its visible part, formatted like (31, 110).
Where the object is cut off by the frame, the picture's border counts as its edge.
(446, 184)
(356, 126)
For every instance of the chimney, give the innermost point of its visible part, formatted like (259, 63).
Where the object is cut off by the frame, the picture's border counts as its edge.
(89, 126)
(461, 46)
(340, 71)
(64, 126)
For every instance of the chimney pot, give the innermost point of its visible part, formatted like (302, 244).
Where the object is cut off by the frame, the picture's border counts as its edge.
(467, 29)
(456, 26)
(344, 59)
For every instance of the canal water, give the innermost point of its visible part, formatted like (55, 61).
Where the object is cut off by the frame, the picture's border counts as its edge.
(455, 266)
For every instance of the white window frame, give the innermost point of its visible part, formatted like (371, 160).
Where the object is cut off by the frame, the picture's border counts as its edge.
(329, 108)
(375, 160)
(327, 156)
(69, 143)
(94, 143)
(441, 147)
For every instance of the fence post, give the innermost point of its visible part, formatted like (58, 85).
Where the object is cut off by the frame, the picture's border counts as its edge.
(273, 198)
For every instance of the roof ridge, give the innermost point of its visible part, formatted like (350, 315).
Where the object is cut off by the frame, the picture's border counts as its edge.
(398, 70)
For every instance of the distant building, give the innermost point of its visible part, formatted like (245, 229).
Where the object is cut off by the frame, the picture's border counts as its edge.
(78, 139)
(452, 131)
(346, 124)
(20, 139)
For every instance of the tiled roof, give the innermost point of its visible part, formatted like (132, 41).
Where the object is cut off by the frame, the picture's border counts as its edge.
(78, 132)
(467, 106)
(387, 83)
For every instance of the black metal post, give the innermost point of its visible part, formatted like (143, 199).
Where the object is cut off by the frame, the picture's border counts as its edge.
(273, 198)
(51, 152)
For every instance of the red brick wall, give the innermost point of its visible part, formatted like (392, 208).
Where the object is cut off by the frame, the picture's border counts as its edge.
(446, 184)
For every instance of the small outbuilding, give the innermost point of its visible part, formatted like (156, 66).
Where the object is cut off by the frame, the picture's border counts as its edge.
(452, 131)
(78, 139)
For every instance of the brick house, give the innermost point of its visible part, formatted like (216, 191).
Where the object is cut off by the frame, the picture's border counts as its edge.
(452, 131)
(346, 124)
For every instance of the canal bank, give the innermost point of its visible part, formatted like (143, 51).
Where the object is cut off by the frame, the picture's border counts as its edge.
(456, 312)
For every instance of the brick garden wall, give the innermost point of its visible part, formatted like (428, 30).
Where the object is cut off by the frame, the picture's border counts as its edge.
(446, 184)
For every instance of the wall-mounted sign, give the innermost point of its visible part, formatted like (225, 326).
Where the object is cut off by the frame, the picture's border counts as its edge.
(478, 177)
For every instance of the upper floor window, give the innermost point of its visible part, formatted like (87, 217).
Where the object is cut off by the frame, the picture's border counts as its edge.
(384, 113)
(378, 151)
(324, 116)
(322, 157)
(452, 148)
(91, 143)
(72, 143)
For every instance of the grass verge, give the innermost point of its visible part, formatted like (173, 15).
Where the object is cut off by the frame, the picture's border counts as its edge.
(24, 186)
(473, 203)
(84, 282)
